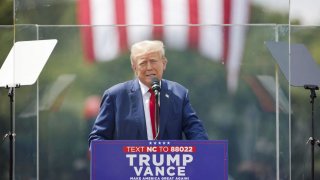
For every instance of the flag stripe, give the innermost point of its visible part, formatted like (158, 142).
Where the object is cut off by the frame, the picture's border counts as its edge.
(211, 35)
(86, 32)
(193, 20)
(157, 19)
(240, 14)
(176, 13)
(134, 12)
(121, 20)
(106, 41)
(226, 29)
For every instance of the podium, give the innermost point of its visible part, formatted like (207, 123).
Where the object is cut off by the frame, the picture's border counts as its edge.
(159, 160)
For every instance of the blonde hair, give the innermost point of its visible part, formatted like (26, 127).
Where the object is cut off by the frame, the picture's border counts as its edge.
(147, 46)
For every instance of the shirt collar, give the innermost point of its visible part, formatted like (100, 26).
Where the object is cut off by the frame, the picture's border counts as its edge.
(144, 88)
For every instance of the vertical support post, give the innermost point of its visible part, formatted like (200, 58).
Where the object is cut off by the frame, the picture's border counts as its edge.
(277, 110)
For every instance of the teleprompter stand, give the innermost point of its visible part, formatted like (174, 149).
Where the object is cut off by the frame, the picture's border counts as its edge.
(302, 72)
(22, 66)
(312, 140)
(11, 135)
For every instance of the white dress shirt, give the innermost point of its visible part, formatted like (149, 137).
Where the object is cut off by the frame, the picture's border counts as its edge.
(146, 97)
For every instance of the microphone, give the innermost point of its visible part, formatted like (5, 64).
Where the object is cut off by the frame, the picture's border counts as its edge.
(155, 85)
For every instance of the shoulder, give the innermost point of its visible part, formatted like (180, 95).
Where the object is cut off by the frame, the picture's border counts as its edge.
(120, 88)
(175, 87)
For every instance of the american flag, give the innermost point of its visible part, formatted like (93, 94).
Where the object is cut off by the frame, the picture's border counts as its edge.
(210, 26)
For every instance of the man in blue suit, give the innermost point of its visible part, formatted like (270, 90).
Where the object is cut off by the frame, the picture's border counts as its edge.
(124, 111)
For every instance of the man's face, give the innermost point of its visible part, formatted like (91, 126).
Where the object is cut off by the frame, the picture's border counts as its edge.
(149, 65)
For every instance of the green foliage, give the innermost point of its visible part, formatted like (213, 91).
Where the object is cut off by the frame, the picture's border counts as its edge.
(6, 15)
(45, 12)
(262, 15)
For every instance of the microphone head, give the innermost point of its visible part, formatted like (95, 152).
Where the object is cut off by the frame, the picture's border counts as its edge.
(155, 84)
(154, 80)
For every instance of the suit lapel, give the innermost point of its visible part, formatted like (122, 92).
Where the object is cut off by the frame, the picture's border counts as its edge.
(136, 105)
(164, 106)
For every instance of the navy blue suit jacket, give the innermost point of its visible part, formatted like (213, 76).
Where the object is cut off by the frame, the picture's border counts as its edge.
(121, 114)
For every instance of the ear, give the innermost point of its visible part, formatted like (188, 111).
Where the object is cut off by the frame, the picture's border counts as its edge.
(133, 67)
(164, 63)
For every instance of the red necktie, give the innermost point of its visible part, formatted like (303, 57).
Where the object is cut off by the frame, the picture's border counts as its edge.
(152, 108)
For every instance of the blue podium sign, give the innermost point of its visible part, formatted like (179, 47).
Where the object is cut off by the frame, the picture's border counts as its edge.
(159, 160)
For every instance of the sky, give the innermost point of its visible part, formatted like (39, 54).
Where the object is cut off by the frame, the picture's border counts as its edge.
(307, 11)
